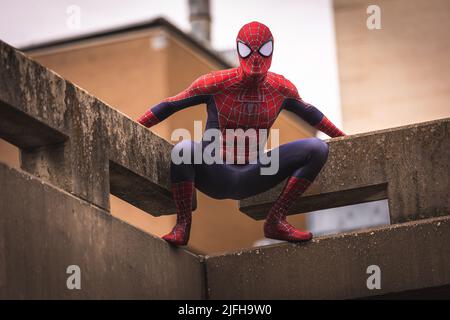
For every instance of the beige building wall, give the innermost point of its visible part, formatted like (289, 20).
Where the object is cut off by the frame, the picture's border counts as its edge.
(135, 71)
(397, 75)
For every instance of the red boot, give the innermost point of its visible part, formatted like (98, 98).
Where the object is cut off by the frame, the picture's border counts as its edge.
(182, 195)
(276, 226)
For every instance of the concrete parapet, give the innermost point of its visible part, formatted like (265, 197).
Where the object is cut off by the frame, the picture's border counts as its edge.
(409, 165)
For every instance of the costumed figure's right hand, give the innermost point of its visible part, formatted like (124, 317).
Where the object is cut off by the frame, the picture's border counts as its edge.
(148, 119)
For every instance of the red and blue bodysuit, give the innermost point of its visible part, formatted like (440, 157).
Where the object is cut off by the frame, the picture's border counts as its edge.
(246, 97)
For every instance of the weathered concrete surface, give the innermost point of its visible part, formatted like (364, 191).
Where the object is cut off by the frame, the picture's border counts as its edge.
(409, 165)
(26, 132)
(412, 255)
(69, 138)
(43, 230)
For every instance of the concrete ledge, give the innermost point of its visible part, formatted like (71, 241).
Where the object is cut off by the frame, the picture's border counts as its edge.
(409, 165)
(39, 108)
(43, 230)
(26, 132)
(411, 256)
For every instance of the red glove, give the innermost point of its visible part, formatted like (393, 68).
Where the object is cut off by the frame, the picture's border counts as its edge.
(327, 127)
(148, 119)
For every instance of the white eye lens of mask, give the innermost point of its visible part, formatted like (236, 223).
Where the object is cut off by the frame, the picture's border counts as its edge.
(266, 49)
(243, 50)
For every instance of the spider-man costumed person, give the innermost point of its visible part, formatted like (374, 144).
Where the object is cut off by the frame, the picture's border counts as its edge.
(246, 97)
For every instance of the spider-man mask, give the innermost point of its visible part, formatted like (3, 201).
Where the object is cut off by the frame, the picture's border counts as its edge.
(255, 47)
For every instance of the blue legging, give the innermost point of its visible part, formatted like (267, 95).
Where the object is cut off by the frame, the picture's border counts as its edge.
(303, 158)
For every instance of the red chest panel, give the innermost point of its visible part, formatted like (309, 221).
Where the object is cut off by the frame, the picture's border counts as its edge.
(247, 108)
(246, 105)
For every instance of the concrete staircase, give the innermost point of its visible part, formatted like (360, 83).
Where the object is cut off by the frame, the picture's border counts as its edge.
(75, 150)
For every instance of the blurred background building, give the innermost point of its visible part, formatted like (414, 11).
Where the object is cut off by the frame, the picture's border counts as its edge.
(135, 54)
(388, 77)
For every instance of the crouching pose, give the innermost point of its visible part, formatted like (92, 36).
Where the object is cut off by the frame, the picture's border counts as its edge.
(246, 97)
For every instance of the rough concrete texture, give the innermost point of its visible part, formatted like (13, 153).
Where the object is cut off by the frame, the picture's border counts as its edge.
(72, 138)
(413, 255)
(43, 230)
(409, 165)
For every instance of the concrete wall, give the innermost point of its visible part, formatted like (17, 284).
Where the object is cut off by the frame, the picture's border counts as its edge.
(410, 256)
(43, 230)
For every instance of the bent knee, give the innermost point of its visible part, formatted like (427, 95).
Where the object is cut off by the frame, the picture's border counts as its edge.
(319, 149)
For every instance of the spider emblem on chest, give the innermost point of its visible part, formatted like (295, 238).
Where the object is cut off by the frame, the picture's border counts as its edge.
(246, 110)
(250, 107)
